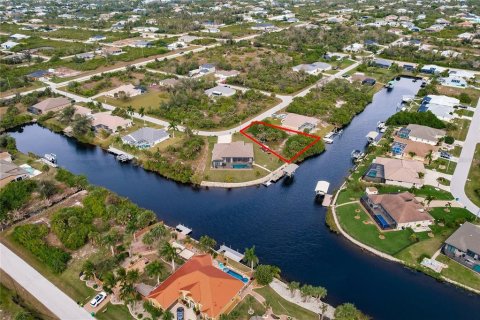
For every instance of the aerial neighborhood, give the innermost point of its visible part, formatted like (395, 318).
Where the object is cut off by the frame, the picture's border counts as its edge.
(239, 160)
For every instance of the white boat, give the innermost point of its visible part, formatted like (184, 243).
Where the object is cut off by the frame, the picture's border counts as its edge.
(329, 135)
(328, 140)
(321, 188)
(407, 98)
(51, 157)
(267, 183)
(357, 154)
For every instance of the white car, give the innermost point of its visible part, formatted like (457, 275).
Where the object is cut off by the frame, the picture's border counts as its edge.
(98, 299)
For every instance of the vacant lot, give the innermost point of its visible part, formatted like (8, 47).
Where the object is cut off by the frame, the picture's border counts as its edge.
(472, 186)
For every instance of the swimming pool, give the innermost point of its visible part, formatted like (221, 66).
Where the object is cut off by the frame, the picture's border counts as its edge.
(236, 275)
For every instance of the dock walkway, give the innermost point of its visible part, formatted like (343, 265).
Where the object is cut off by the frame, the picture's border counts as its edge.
(275, 175)
(119, 152)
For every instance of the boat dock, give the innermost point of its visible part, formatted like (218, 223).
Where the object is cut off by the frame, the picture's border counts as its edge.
(290, 169)
(327, 200)
(121, 155)
(183, 229)
(230, 253)
(51, 164)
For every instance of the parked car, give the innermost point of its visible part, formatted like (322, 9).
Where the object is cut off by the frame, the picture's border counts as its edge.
(445, 155)
(98, 299)
(180, 313)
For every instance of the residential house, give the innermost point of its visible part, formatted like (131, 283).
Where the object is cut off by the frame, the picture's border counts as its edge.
(128, 90)
(466, 36)
(9, 172)
(50, 104)
(354, 47)
(382, 63)
(263, 27)
(83, 111)
(432, 69)
(202, 70)
(140, 44)
(233, 155)
(312, 68)
(85, 56)
(454, 81)
(402, 148)
(36, 75)
(223, 75)
(5, 156)
(97, 38)
(299, 122)
(19, 36)
(8, 45)
(110, 123)
(406, 173)
(396, 211)
(220, 91)
(464, 246)
(176, 45)
(111, 51)
(200, 285)
(442, 107)
(419, 133)
(170, 82)
(145, 137)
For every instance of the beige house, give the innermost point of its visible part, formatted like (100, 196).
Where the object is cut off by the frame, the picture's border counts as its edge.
(129, 90)
(11, 172)
(50, 104)
(233, 155)
(401, 172)
(298, 122)
(397, 211)
(106, 121)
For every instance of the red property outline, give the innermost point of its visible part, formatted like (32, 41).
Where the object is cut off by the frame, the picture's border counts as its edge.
(244, 132)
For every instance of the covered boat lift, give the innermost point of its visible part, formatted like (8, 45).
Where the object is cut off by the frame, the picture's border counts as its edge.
(321, 188)
(230, 253)
(372, 136)
(183, 230)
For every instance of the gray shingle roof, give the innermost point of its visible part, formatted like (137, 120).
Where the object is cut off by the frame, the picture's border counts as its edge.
(148, 135)
(467, 237)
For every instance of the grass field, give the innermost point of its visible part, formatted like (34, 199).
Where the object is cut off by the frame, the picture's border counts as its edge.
(472, 186)
(282, 306)
(242, 308)
(114, 312)
(459, 273)
(460, 133)
(151, 99)
(368, 233)
(442, 165)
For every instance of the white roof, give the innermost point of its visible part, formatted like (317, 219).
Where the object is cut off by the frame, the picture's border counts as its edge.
(230, 253)
(183, 230)
(443, 100)
(372, 135)
(322, 186)
(186, 254)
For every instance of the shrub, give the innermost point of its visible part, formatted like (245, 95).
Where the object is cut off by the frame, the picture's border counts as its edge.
(264, 274)
(449, 140)
(422, 118)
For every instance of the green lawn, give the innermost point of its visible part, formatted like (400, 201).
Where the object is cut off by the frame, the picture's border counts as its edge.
(282, 306)
(442, 165)
(394, 241)
(151, 99)
(463, 112)
(459, 273)
(472, 186)
(460, 133)
(242, 309)
(114, 312)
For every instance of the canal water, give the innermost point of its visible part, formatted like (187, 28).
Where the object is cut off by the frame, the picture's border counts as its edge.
(283, 221)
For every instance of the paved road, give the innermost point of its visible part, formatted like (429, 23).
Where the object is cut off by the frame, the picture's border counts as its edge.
(457, 185)
(43, 290)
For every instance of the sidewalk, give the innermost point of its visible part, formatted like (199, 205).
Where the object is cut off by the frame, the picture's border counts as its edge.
(38, 286)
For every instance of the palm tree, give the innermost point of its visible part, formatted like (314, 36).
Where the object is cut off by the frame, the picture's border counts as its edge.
(319, 293)
(132, 276)
(429, 156)
(324, 308)
(121, 274)
(293, 287)
(88, 270)
(130, 111)
(141, 111)
(174, 127)
(169, 253)
(429, 198)
(127, 292)
(155, 269)
(251, 257)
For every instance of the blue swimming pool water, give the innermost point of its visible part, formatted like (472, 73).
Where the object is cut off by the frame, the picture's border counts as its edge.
(236, 275)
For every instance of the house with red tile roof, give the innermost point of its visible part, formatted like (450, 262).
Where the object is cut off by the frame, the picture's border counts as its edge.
(200, 285)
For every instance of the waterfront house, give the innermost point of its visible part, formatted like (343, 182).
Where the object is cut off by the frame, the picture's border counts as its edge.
(419, 133)
(464, 246)
(312, 68)
(396, 211)
(299, 122)
(404, 148)
(442, 107)
(9, 172)
(220, 91)
(110, 123)
(198, 285)
(400, 172)
(50, 104)
(146, 137)
(233, 155)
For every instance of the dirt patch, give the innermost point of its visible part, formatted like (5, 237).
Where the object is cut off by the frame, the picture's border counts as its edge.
(357, 217)
(381, 237)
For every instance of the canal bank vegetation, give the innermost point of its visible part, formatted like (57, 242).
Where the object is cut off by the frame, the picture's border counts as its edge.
(336, 102)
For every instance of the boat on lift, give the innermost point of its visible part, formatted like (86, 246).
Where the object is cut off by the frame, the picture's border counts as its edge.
(407, 98)
(381, 126)
(357, 154)
(51, 157)
(390, 85)
(321, 188)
